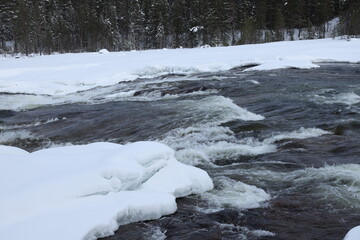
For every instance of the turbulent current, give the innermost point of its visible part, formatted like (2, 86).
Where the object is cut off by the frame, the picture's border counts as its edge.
(282, 146)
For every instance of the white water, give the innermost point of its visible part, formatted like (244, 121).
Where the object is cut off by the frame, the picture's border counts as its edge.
(348, 98)
(206, 141)
(229, 193)
(338, 184)
(120, 92)
(37, 123)
(15, 135)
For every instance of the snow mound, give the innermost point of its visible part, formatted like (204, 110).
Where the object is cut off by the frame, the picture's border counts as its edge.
(95, 187)
(353, 234)
(103, 51)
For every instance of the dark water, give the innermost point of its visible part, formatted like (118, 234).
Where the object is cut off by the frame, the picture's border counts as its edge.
(304, 155)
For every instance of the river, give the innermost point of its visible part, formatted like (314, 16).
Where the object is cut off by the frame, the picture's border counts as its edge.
(282, 146)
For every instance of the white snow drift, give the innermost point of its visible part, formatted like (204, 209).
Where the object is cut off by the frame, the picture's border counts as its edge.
(86, 192)
(353, 234)
(69, 73)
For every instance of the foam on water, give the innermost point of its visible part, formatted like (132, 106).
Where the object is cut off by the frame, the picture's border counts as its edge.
(19, 102)
(262, 233)
(7, 136)
(206, 141)
(231, 193)
(195, 152)
(349, 98)
(122, 94)
(338, 184)
(99, 95)
(38, 123)
(302, 133)
(220, 109)
(209, 142)
(157, 95)
(253, 82)
(26, 139)
(244, 233)
(155, 233)
(22, 101)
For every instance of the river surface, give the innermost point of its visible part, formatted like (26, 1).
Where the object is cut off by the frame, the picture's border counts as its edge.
(282, 146)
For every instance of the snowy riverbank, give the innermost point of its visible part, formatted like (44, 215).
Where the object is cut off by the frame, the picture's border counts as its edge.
(69, 73)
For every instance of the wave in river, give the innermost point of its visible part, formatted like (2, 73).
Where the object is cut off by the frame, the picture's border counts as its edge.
(207, 141)
(330, 96)
(121, 92)
(210, 143)
(231, 193)
(338, 185)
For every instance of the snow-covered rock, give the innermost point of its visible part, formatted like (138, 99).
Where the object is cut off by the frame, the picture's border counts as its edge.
(103, 51)
(86, 192)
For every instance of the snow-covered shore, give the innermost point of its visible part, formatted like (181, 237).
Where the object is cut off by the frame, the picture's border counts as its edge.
(68, 73)
(86, 192)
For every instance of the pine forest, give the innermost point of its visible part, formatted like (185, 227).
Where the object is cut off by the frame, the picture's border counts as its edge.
(48, 26)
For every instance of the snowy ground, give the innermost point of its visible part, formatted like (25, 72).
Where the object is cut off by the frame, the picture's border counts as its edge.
(69, 73)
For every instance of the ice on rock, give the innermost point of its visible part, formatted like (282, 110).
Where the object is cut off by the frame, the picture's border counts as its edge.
(87, 191)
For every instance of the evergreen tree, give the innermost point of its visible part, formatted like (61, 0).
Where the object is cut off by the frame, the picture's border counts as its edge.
(179, 23)
(7, 13)
(279, 25)
(230, 21)
(350, 17)
(197, 20)
(23, 27)
(88, 25)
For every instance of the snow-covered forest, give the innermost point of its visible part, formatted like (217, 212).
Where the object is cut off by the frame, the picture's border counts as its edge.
(47, 26)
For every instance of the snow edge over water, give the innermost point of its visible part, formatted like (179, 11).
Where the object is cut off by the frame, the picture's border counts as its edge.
(96, 187)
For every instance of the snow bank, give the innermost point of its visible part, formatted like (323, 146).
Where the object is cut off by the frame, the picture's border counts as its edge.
(68, 73)
(353, 234)
(94, 187)
(103, 51)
